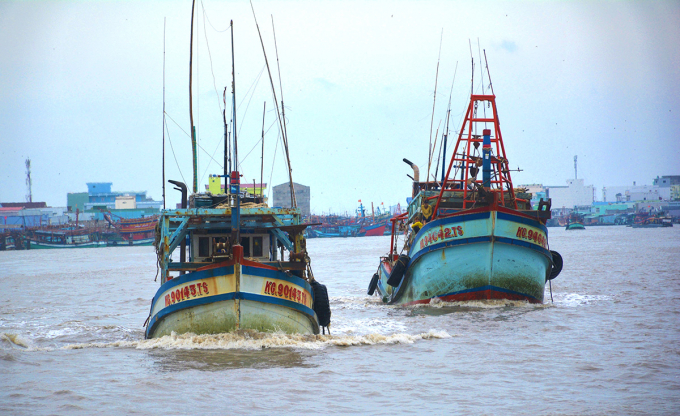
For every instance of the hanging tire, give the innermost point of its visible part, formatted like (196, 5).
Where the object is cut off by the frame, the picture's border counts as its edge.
(373, 284)
(322, 305)
(556, 265)
(398, 270)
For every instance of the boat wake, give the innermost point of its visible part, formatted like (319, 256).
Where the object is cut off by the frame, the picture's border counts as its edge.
(482, 304)
(244, 340)
(13, 341)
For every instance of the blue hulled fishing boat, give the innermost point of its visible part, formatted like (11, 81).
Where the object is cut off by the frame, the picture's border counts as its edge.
(575, 222)
(465, 237)
(236, 275)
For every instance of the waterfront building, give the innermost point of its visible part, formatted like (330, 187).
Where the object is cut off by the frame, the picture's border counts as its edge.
(100, 196)
(281, 196)
(216, 187)
(661, 189)
(575, 193)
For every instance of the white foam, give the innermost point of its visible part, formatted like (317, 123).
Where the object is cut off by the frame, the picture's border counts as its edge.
(357, 302)
(15, 340)
(253, 340)
(437, 303)
(368, 325)
(575, 299)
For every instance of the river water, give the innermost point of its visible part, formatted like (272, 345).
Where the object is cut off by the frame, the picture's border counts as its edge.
(71, 340)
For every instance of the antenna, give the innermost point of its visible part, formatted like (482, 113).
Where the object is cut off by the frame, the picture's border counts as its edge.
(29, 196)
(575, 168)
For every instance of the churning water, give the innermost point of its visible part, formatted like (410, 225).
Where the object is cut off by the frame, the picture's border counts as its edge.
(71, 340)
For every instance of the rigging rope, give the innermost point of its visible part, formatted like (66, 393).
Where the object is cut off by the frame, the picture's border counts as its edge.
(173, 151)
(210, 57)
(211, 25)
(258, 142)
(199, 146)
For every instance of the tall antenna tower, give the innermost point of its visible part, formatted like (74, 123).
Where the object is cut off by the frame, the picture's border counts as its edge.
(575, 168)
(29, 195)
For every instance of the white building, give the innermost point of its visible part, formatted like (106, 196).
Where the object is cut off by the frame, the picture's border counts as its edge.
(636, 193)
(126, 202)
(575, 193)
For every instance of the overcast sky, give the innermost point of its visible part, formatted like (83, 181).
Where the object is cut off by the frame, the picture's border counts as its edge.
(81, 91)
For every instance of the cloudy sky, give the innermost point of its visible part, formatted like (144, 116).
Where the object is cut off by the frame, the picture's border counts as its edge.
(81, 91)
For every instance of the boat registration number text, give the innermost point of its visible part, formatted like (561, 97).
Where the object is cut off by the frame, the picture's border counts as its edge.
(284, 290)
(187, 292)
(532, 235)
(440, 234)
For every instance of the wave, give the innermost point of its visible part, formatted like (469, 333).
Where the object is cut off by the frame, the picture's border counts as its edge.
(481, 304)
(253, 340)
(576, 299)
(14, 340)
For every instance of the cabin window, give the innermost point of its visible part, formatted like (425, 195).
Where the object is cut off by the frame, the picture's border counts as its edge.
(257, 246)
(245, 242)
(203, 247)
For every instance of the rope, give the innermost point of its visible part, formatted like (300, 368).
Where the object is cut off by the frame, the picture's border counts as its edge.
(173, 152)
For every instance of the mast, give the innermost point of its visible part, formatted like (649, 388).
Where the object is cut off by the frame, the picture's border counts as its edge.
(164, 113)
(191, 113)
(434, 101)
(278, 113)
(293, 200)
(227, 155)
(448, 117)
(234, 179)
(264, 112)
(233, 95)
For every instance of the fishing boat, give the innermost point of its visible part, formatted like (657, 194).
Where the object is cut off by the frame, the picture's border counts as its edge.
(575, 222)
(130, 231)
(373, 229)
(65, 238)
(236, 276)
(645, 220)
(466, 238)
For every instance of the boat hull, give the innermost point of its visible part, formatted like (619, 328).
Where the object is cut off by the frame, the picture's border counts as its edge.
(375, 230)
(231, 297)
(575, 226)
(481, 255)
(91, 244)
(141, 242)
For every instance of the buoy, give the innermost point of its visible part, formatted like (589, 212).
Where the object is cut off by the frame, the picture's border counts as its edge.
(398, 270)
(322, 305)
(556, 265)
(373, 284)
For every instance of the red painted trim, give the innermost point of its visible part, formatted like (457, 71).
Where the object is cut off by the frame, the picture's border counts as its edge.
(242, 262)
(238, 256)
(487, 208)
(488, 294)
